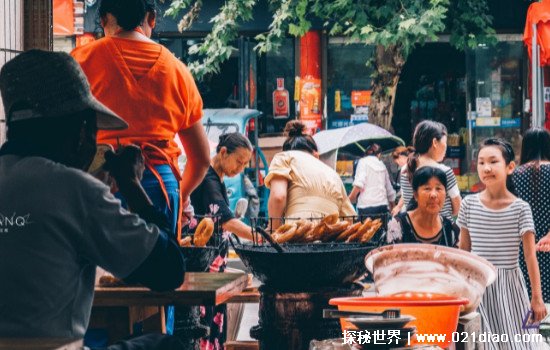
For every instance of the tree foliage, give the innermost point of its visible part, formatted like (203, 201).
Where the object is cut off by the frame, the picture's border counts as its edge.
(397, 26)
(403, 23)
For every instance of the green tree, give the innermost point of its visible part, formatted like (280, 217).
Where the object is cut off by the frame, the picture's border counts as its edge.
(395, 27)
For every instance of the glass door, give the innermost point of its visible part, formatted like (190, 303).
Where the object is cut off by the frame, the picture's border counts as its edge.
(496, 79)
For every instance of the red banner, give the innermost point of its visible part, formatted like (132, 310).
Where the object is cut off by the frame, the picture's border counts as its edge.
(310, 77)
(63, 17)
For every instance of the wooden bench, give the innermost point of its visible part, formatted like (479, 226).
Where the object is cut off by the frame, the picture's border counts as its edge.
(40, 344)
(241, 345)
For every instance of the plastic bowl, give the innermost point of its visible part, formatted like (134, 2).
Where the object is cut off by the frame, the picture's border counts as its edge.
(434, 313)
(427, 268)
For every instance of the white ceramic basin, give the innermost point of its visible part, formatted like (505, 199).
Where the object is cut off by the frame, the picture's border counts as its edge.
(430, 269)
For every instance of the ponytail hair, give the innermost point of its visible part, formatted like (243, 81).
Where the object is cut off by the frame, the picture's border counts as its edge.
(402, 151)
(424, 134)
(232, 142)
(297, 139)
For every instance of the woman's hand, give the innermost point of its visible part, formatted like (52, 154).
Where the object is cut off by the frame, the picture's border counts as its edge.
(397, 207)
(543, 245)
(538, 308)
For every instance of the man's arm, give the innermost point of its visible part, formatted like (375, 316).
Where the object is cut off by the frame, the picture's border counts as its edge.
(164, 267)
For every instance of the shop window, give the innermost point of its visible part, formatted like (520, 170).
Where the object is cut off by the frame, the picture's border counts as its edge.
(348, 83)
(496, 80)
(431, 86)
(273, 66)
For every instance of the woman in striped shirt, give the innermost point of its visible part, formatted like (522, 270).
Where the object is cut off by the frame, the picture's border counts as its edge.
(430, 143)
(493, 224)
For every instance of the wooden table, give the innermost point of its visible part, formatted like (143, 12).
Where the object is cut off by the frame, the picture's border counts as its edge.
(117, 308)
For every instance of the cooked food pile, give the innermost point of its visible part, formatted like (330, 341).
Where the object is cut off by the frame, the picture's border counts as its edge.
(329, 229)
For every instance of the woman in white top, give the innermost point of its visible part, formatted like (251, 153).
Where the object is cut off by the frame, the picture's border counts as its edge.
(372, 188)
(430, 143)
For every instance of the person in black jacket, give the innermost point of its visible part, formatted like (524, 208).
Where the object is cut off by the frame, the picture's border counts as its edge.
(57, 223)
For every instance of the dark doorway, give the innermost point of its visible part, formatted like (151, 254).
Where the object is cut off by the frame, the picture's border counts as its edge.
(432, 86)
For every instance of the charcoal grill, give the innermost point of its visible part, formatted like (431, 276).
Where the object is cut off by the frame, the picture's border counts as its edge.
(297, 284)
(304, 266)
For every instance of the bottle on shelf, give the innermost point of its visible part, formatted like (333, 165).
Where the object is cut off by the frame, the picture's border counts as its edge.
(280, 100)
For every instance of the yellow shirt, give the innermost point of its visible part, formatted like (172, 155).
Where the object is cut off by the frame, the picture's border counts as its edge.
(314, 188)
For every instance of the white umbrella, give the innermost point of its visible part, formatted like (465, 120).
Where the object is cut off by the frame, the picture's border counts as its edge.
(353, 140)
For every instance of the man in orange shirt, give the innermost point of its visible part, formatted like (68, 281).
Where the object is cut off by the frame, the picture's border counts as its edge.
(155, 93)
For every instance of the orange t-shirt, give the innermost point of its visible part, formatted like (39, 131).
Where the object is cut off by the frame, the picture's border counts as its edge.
(147, 86)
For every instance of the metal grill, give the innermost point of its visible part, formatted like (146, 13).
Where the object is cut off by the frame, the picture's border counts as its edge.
(11, 41)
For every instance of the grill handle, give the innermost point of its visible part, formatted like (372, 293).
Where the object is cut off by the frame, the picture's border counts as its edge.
(232, 237)
(389, 313)
(269, 239)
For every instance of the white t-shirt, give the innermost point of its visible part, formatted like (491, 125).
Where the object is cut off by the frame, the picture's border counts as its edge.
(56, 225)
(371, 176)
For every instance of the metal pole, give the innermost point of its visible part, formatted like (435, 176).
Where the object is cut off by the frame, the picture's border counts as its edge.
(541, 92)
(534, 84)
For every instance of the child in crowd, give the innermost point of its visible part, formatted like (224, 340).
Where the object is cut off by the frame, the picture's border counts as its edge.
(493, 224)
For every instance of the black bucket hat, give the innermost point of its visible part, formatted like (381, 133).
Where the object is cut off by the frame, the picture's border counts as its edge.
(43, 84)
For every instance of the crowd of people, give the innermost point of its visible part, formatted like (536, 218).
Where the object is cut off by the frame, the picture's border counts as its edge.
(506, 223)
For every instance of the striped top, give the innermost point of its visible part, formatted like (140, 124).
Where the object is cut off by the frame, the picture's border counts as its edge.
(452, 190)
(496, 234)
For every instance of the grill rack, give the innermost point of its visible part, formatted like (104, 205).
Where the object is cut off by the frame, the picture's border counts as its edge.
(267, 222)
(216, 238)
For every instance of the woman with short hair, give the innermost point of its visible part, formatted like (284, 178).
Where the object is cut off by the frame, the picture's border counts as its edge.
(423, 223)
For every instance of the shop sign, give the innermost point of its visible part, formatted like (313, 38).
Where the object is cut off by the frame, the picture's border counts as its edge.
(310, 102)
(483, 107)
(358, 118)
(360, 98)
(487, 122)
(339, 123)
(496, 122)
(510, 123)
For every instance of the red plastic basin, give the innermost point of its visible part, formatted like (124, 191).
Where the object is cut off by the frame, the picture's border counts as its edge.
(434, 313)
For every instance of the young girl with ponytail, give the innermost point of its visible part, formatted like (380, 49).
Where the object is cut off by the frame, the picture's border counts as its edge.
(493, 224)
